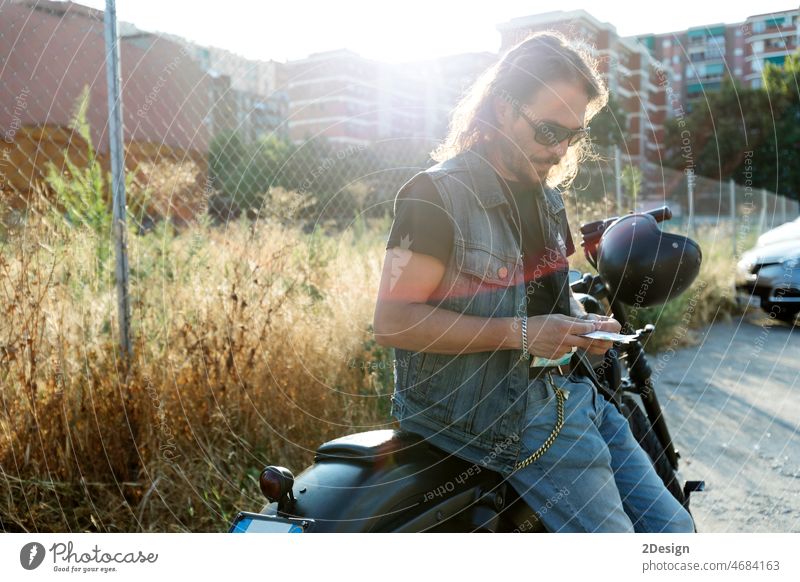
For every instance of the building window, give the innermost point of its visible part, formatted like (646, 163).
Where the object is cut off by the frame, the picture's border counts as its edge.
(738, 52)
(759, 26)
(694, 90)
(666, 43)
(777, 22)
(714, 69)
(776, 60)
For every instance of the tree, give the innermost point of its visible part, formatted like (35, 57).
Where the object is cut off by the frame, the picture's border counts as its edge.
(743, 133)
(778, 159)
(609, 126)
(713, 140)
(242, 173)
(595, 177)
(227, 155)
(632, 182)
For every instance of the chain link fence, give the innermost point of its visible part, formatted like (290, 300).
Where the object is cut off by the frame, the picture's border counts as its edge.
(195, 144)
(207, 135)
(738, 210)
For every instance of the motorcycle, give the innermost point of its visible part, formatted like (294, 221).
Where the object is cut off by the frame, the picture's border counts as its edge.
(395, 481)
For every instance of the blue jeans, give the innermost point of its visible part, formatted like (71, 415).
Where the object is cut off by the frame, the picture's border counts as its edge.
(595, 477)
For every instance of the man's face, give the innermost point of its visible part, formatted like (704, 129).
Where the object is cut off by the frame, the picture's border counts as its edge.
(518, 155)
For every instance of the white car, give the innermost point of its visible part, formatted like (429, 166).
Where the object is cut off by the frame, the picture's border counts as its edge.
(788, 231)
(769, 274)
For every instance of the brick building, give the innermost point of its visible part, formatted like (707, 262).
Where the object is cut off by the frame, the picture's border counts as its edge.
(628, 68)
(353, 100)
(768, 38)
(247, 95)
(53, 51)
(700, 58)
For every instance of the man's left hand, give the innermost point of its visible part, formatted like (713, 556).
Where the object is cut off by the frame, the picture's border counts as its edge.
(602, 323)
(607, 323)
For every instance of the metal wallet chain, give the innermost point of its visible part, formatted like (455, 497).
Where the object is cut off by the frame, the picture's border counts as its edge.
(561, 396)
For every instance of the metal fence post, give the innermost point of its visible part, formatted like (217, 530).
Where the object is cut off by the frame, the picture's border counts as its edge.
(690, 199)
(118, 174)
(618, 179)
(783, 209)
(732, 188)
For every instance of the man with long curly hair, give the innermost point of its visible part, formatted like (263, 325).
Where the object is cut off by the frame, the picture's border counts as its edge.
(474, 298)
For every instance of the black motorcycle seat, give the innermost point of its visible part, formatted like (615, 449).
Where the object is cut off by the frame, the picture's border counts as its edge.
(375, 446)
(394, 480)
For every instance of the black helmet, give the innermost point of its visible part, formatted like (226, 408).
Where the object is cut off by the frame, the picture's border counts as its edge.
(641, 265)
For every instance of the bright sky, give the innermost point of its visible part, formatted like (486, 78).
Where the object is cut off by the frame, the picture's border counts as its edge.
(401, 31)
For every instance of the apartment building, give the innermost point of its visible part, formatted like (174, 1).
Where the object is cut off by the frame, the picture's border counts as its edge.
(768, 38)
(245, 95)
(247, 75)
(700, 58)
(632, 74)
(334, 94)
(350, 99)
(53, 52)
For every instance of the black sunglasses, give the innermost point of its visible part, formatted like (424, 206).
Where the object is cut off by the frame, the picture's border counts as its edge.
(552, 134)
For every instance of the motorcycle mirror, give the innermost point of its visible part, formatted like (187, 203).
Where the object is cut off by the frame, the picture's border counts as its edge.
(645, 331)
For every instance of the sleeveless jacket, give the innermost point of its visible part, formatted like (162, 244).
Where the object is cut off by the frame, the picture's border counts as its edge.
(473, 404)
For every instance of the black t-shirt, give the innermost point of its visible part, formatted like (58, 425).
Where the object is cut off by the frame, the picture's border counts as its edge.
(422, 225)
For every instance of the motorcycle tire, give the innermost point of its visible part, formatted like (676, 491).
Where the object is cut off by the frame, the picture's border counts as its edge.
(648, 440)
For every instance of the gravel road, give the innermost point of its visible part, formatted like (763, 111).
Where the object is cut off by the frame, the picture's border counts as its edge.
(732, 404)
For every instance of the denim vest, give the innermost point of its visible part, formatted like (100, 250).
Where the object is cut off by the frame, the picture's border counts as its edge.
(473, 404)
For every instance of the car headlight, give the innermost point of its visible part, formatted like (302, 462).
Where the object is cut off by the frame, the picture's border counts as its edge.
(744, 266)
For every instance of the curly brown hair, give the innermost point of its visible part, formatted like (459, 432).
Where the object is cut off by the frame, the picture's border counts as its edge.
(540, 59)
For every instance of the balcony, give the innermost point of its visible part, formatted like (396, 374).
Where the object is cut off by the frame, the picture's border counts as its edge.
(695, 89)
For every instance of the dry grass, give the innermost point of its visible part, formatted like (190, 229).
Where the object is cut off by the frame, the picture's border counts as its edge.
(247, 349)
(252, 347)
(711, 297)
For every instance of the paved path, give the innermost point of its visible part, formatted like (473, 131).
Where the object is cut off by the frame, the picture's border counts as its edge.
(732, 403)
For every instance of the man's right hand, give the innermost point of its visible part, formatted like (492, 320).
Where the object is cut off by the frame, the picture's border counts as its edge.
(551, 336)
